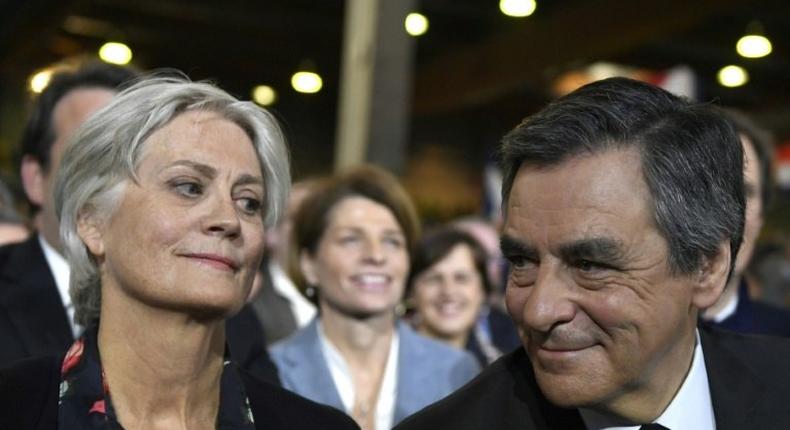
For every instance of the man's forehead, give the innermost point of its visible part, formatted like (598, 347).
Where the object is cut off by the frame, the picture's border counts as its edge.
(582, 197)
(78, 105)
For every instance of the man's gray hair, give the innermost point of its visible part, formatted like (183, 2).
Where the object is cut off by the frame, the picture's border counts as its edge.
(106, 151)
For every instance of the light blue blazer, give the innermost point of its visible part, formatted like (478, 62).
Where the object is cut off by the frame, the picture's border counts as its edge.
(427, 370)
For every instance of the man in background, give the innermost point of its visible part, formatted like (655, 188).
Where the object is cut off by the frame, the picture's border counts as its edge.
(736, 310)
(36, 313)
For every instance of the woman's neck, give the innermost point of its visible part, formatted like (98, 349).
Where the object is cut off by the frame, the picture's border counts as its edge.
(359, 340)
(162, 368)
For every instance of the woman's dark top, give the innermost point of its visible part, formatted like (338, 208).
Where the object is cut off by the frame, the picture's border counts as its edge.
(46, 393)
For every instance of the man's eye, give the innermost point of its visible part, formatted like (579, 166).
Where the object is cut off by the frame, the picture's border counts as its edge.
(518, 263)
(588, 266)
(189, 189)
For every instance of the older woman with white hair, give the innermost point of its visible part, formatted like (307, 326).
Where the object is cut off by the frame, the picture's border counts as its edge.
(163, 197)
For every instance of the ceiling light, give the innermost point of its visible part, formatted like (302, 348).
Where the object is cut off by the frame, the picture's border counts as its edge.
(416, 24)
(753, 46)
(306, 82)
(733, 76)
(264, 95)
(517, 8)
(40, 80)
(115, 53)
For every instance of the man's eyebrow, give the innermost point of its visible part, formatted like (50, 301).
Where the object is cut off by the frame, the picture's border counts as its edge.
(597, 249)
(511, 246)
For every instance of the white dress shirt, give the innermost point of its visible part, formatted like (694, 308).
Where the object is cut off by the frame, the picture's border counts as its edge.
(691, 408)
(61, 272)
(341, 375)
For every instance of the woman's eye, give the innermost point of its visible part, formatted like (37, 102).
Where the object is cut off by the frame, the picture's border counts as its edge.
(394, 242)
(249, 205)
(347, 240)
(189, 189)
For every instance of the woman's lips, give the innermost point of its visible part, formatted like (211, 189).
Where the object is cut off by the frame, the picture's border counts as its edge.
(216, 261)
(372, 282)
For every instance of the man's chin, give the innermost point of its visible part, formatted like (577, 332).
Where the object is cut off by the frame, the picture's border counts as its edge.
(567, 391)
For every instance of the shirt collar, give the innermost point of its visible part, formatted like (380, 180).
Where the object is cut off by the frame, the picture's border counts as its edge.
(690, 408)
(61, 274)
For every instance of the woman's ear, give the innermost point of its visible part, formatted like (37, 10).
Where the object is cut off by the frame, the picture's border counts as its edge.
(308, 266)
(711, 278)
(91, 230)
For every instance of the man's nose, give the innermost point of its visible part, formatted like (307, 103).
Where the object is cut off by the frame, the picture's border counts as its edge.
(549, 302)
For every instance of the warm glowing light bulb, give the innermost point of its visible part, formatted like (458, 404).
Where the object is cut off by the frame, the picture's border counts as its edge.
(733, 76)
(416, 24)
(517, 8)
(307, 82)
(40, 80)
(753, 46)
(264, 95)
(115, 53)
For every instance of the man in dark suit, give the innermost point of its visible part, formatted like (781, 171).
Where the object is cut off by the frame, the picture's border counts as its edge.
(624, 213)
(36, 314)
(736, 310)
(35, 307)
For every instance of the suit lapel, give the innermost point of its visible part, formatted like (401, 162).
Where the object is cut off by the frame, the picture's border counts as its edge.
(736, 391)
(308, 369)
(33, 303)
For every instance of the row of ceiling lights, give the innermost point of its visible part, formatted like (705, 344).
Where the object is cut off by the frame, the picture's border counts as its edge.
(304, 81)
(752, 45)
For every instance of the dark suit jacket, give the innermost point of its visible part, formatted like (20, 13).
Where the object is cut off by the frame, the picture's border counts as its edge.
(29, 401)
(749, 378)
(34, 323)
(273, 310)
(753, 317)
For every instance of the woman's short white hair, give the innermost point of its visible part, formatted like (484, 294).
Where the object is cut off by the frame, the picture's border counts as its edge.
(105, 153)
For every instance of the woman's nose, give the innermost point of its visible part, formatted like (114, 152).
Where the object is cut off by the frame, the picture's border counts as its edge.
(222, 217)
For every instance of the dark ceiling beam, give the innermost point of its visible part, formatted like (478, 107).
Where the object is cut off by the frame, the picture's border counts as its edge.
(581, 31)
(24, 24)
(245, 17)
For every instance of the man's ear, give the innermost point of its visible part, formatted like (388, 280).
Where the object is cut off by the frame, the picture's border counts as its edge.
(308, 266)
(33, 180)
(711, 278)
(91, 230)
